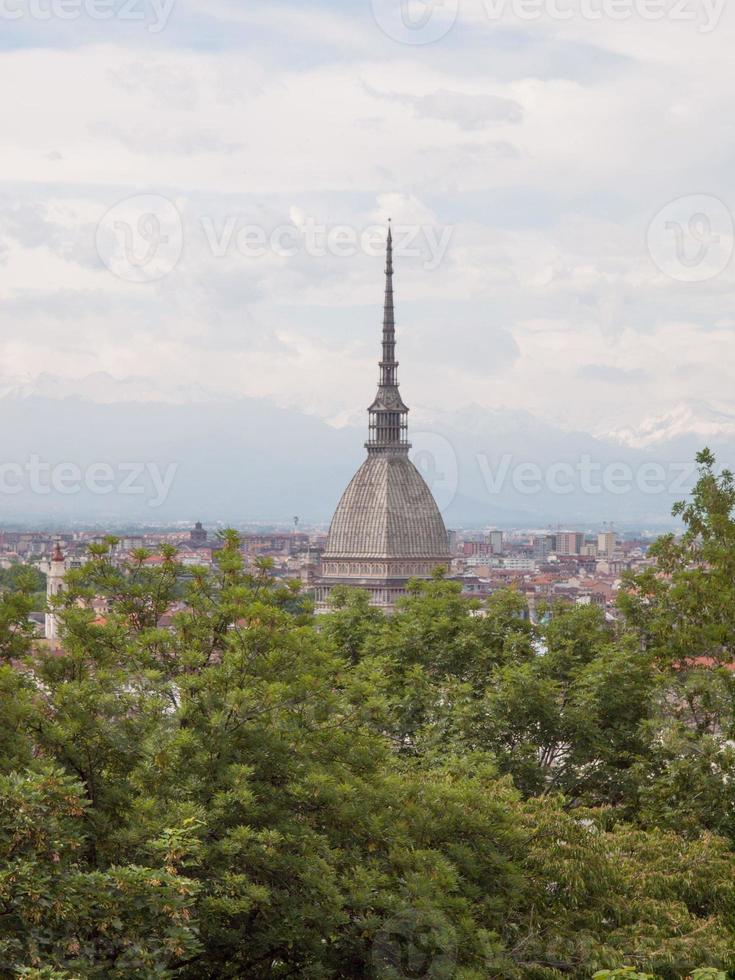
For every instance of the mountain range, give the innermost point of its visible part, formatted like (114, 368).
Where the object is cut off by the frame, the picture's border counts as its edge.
(247, 460)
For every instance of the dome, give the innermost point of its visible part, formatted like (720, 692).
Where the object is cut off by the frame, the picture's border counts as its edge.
(387, 511)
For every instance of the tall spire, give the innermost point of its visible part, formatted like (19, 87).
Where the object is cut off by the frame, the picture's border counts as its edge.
(388, 366)
(388, 415)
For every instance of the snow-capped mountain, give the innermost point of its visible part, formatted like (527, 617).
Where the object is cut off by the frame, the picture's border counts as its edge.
(694, 422)
(240, 459)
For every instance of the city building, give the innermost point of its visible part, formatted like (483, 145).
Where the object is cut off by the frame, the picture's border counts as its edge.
(519, 563)
(197, 535)
(55, 569)
(387, 528)
(543, 545)
(569, 542)
(495, 540)
(606, 544)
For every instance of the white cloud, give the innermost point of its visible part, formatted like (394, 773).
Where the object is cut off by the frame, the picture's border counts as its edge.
(547, 168)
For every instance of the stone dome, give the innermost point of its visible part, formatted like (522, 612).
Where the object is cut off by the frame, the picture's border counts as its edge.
(387, 511)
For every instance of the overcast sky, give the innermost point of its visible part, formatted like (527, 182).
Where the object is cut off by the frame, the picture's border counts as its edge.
(560, 186)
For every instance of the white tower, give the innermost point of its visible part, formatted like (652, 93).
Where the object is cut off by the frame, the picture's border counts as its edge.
(56, 570)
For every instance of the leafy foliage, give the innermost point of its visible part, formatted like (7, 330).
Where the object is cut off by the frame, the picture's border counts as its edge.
(240, 789)
(62, 918)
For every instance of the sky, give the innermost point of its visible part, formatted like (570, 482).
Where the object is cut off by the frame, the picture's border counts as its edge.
(194, 195)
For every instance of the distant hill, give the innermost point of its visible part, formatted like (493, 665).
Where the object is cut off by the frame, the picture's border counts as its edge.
(248, 459)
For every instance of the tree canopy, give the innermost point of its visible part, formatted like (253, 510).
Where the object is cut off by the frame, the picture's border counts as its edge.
(451, 791)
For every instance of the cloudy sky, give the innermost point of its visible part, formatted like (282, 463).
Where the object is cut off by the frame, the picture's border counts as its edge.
(191, 191)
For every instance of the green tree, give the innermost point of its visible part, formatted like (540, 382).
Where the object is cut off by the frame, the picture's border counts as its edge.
(61, 918)
(682, 614)
(249, 791)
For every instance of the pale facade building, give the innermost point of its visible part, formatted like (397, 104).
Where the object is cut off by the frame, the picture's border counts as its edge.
(55, 570)
(495, 540)
(569, 542)
(606, 544)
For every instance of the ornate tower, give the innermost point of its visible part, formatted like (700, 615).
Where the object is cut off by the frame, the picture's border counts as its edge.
(56, 570)
(388, 426)
(387, 528)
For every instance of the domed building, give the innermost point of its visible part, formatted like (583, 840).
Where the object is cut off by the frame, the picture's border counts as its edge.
(387, 528)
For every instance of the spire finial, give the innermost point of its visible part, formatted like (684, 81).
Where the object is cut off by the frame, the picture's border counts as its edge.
(388, 413)
(388, 316)
(388, 365)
